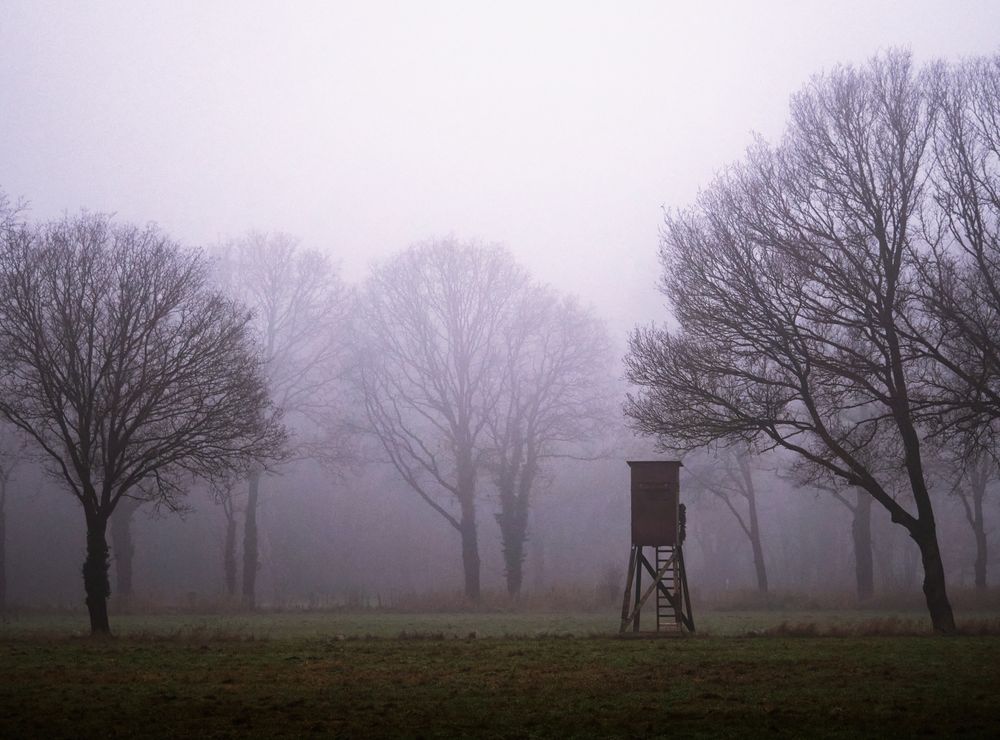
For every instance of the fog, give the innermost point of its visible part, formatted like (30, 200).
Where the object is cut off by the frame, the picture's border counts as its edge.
(558, 130)
(370, 542)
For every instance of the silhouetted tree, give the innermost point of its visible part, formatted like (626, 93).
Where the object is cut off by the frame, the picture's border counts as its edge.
(11, 447)
(299, 307)
(728, 475)
(227, 501)
(959, 325)
(860, 506)
(970, 488)
(12, 453)
(431, 330)
(123, 548)
(127, 369)
(554, 399)
(792, 281)
(806, 476)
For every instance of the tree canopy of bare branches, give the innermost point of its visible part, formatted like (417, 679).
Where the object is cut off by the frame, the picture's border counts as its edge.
(299, 307)
(729, 476)
(554, 401)
(468, 367)
(127, 370)
(796, 280)
(432, 325)
(959, 323)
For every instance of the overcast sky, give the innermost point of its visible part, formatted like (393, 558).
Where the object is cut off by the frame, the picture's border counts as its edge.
(560, 129)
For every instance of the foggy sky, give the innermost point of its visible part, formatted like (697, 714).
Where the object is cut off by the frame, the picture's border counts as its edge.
(560, 129)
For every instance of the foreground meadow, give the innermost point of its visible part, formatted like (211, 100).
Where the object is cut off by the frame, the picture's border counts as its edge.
(474, 675)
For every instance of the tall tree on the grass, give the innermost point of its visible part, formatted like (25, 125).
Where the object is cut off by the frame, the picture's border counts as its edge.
(859, 503)
(227, 500)
(554, 400)
(958, 324)
(13, 451)
(123, 548)
(12, 445)
(431, 327)
(299, 307)
(793, 283)
(970, 487)
(729, 476)
(127, 369)
(878, 455)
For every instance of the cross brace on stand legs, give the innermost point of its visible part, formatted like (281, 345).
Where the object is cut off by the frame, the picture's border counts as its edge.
(669, 583)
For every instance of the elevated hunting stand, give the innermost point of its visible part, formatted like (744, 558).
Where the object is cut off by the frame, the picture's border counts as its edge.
(657, 522)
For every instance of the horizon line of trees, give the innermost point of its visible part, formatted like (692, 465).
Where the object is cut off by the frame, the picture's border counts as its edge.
(136, 368)
(837, 298)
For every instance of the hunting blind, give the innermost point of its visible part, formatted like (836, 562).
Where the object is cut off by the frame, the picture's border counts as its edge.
(657, 523)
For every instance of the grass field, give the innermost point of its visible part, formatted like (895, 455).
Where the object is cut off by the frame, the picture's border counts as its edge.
(491, 675)
(356, 624)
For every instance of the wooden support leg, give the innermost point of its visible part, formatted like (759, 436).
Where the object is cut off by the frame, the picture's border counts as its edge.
(687, 617)
(627, 600)
(638, 589)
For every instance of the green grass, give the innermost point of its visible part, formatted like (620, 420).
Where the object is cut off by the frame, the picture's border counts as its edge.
(316, 675)
(333, 624)
(319, 625)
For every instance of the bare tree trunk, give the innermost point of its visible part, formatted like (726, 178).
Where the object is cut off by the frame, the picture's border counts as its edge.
(123, 549)
(758, 550)
(538, 561)
(861, 533)
(981, 552)
(229, 551)
(513, 529)
(95, 574)
(909, 565)
(979, 476)
(515, 492)
(924, 529)
(470, 549)
(753, 528)
(935, 593)
(250, 561)
(974, 516)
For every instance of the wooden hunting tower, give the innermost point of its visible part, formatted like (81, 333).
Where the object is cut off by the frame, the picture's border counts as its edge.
(658, 523)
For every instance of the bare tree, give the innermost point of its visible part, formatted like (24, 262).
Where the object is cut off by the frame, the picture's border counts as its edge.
(860, 506)
(11, 443)
(127, 369)
(793, 283)
(728, 475)
(959, 326)
(227, 500)
(807, 476)
(960, 287)
(971, 486)
(299, 306)
(431, 336)
(12, 454)
(123, 548)
(554, 400)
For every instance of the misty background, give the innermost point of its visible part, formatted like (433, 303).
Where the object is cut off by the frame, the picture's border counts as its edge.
(559, 130)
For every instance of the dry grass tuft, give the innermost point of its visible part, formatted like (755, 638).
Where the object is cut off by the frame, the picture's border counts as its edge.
(881, 627)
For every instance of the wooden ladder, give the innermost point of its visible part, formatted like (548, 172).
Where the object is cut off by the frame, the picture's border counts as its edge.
(667, 619)
(668, 581)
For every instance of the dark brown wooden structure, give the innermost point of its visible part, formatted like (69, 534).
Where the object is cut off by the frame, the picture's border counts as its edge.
(657, 523)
